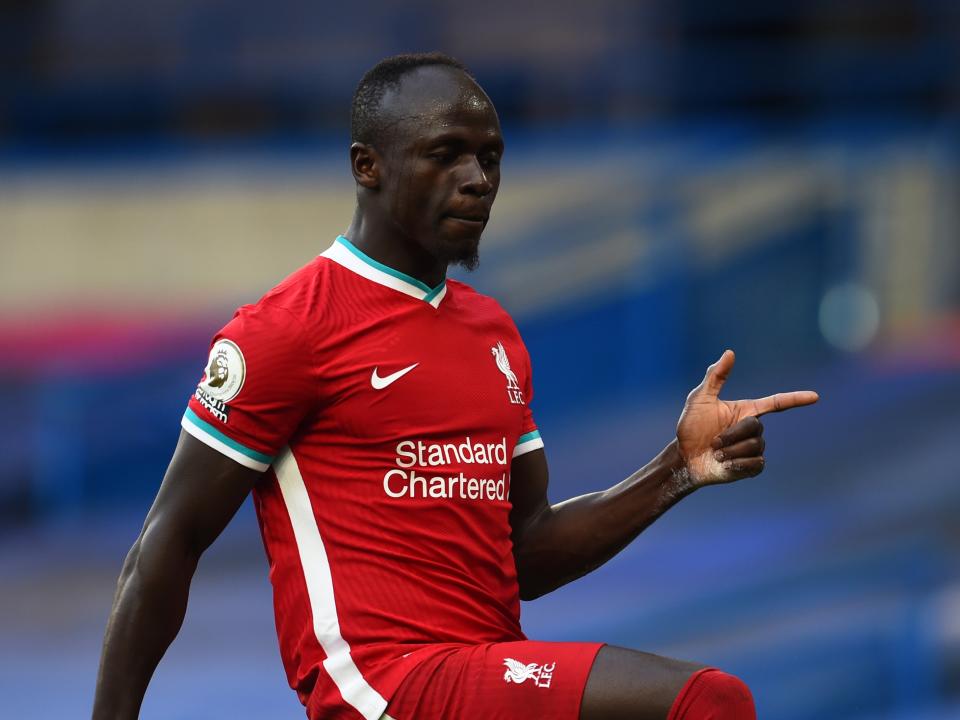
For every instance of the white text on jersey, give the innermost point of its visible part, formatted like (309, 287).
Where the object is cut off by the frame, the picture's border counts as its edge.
(410, 453)
(413, 455)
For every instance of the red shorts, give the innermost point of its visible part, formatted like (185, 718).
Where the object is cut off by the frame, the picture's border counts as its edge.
(498, 681)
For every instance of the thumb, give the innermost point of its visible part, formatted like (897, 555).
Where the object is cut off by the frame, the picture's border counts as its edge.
(717, 374)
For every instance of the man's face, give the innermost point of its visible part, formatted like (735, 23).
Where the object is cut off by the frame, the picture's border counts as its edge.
(441, 168)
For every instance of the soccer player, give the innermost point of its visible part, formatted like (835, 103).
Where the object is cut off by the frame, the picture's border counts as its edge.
(380, 414)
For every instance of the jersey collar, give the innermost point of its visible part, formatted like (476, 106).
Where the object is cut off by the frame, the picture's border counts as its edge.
(345, 253)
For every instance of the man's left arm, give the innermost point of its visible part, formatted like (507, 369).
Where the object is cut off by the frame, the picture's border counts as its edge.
(718, 441)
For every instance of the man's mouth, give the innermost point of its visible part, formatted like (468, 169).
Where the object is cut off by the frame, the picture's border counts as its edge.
(478, 220)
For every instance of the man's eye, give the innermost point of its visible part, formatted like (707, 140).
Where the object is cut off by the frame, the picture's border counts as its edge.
(443, 158)
(490, 160)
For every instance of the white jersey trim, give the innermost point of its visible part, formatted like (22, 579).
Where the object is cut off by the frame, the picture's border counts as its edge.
(528, 442)
(344, 253)
(220, 446)
(316, 572)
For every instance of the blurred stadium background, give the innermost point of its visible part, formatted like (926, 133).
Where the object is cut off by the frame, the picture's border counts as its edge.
(681, 177)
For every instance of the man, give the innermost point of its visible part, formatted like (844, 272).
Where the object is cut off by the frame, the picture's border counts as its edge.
(380, 414)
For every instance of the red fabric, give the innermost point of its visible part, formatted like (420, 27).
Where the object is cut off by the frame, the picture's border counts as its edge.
(712, 694)
(408, 484)
(498, 681)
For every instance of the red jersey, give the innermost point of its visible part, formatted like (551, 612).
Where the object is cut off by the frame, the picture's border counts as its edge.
(385, 415)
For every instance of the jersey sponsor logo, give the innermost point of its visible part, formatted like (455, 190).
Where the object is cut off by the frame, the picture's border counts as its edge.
(411, 453)
(413, 457)
(518, 672)
(514, 394)
(379, 383)
(401, 483)
(225, 373)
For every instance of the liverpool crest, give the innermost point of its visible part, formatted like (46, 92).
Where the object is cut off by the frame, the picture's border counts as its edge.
(514, 394)
(518, 672)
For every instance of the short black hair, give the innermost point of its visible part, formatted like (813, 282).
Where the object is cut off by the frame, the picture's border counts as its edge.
(366, 120)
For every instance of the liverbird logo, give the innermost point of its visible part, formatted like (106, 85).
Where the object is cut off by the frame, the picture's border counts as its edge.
(503, 365)
(517, 672)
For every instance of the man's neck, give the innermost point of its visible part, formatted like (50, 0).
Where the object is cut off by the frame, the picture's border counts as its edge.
(386, 245)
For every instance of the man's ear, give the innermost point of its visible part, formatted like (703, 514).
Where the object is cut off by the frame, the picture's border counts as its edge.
(365, 165)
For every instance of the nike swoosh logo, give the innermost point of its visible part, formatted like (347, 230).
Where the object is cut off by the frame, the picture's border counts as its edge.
(379, 383)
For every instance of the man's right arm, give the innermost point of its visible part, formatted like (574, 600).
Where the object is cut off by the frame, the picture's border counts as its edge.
(201, 491)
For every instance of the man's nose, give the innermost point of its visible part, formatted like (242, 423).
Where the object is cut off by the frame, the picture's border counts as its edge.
(475, 180)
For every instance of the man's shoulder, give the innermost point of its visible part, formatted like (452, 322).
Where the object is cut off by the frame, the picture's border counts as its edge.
(470, 297)
(298, 295)
(283, 316)
(484, 308)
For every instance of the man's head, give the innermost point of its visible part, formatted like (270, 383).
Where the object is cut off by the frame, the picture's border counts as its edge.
(425, 152)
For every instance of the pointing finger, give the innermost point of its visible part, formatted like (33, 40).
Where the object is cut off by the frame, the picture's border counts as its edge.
(785, 401)
(718, 373)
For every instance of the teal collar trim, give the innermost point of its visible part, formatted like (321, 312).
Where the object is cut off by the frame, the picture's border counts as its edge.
(389, 270)
(345, 253)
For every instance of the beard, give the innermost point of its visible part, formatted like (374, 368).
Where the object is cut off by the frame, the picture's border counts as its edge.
(464, 254)
(469, 262)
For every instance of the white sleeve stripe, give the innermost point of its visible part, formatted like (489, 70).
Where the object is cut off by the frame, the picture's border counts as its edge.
(222, 447)
(525, 447)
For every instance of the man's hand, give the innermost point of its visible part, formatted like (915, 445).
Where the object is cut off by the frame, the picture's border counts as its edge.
(722, 440)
